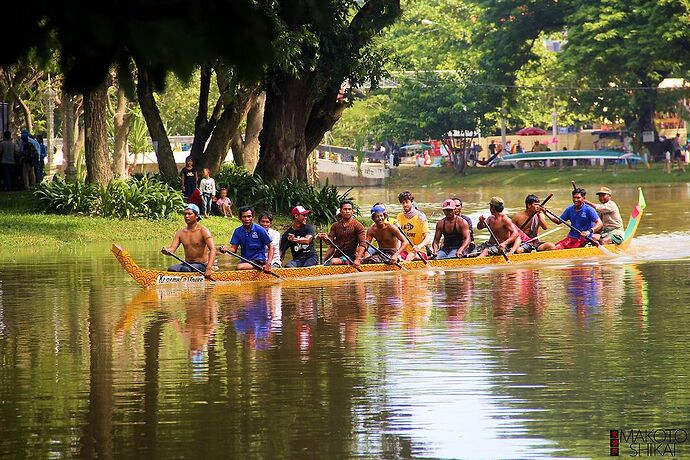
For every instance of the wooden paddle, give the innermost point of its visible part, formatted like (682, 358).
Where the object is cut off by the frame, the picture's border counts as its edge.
(252, 263)
(524, 224)
(502, 252)
(419, 254)
(208, 277)
(591, 240)
(555, 229)
(389, 258)
(341, 251)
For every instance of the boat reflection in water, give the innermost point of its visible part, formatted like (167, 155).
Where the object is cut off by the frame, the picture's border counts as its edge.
(378, 355)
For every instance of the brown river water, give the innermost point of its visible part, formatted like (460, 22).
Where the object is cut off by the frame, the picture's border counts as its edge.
(509, 362)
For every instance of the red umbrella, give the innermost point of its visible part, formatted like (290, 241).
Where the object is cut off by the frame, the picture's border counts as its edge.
(531, 132)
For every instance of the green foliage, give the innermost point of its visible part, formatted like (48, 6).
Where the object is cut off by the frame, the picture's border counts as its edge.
(429, 105)
(64, 197)
(179, 103)
(138, 197)
(280, 196)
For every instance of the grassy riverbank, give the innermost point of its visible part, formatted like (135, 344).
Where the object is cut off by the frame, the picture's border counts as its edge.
(412, 177)
(23, 226)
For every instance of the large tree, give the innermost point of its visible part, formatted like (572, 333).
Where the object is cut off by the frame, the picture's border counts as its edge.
(616, 54)
(322, 48)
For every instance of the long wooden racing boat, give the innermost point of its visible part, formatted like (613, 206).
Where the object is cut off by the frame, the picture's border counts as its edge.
(149, 277)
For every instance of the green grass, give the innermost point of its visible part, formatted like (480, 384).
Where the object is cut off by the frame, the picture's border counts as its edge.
(410, 177)
(24, 226)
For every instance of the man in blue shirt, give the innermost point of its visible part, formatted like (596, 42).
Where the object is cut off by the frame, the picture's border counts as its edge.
(253, 240)
(582, 217)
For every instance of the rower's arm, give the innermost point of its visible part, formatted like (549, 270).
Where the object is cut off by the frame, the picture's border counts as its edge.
(542, 221)
(211, 251)
(465, 237)
(437, 236)
(512, 236)
(598, 226)
(174, 245)
(402, 244)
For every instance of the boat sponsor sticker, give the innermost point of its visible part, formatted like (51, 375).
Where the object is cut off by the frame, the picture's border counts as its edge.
(658, 442)
(165, 279)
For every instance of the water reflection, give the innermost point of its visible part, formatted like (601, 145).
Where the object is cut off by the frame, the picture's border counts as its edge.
(514, 362)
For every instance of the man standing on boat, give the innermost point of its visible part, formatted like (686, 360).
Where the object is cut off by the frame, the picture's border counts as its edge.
(346, 238)
(299, 238)
(197, 241)
(530, 221)
(254, 241)
(391, 242)
(414, 224)
(455, 232)
(612, 231)
(503, 229)
(583, 218)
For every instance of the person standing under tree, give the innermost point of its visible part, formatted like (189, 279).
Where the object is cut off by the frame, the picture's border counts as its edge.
(189, 178)
(207, 186)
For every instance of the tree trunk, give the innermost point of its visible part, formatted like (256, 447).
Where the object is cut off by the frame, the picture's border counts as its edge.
(288, 106)
(246, 151)
(68, 151)
(96, 135)
(121, 124)
(149, 108)
(212, 137)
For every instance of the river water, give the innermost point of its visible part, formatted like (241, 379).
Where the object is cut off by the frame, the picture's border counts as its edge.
(509, 362)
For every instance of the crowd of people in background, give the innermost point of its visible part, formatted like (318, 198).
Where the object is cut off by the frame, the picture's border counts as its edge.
(21, 161)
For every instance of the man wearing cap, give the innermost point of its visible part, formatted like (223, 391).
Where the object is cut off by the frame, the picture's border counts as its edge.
(197, 241)
(254, 241)
(503, 228)
(455, 232)
(299, 238)
(612, 231)
(390, 240)
(583, 218)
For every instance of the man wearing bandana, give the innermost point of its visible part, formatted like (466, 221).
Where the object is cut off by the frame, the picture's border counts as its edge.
(414, 224)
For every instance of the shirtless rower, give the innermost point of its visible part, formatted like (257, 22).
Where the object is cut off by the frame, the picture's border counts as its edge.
(502, 227)
(533, 214)
(197, 241)
(455, 232)
(391, 242)
(348, 234)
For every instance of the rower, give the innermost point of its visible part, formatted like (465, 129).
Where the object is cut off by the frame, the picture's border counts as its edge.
(254, 241)
(455, 232)
(299, 238)
(458, 212)
(502, 227)
(612, 231)
(390, 241)
(197, 241)
(414, 224)
(531, 219)
(349, 235)
(583, 218)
